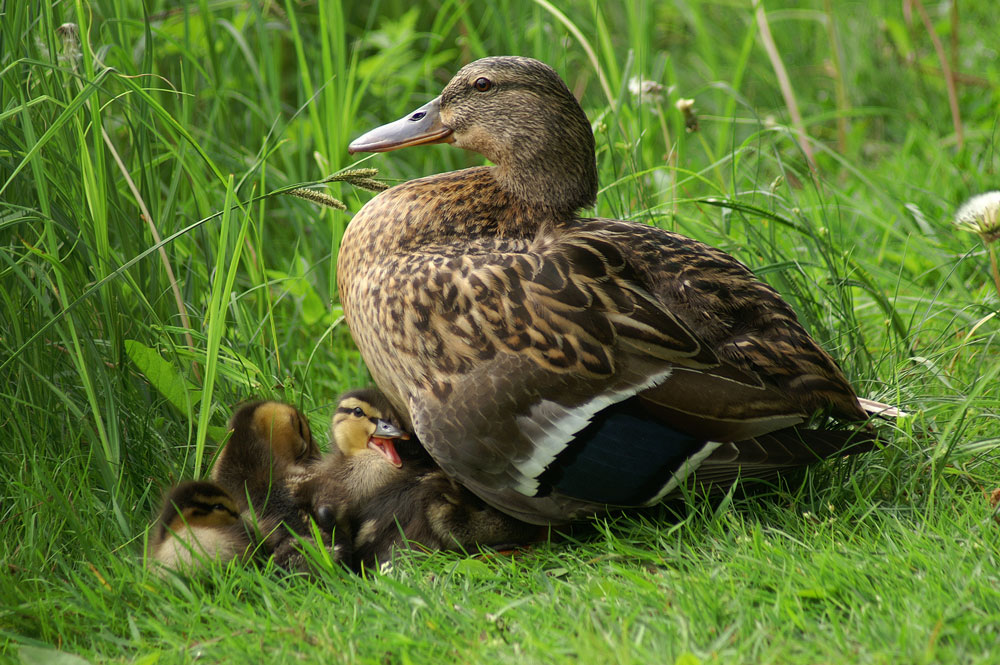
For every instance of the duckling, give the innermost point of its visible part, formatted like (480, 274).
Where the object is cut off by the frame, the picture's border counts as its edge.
(364, 458)
(269, 442)
(555, 365)
(270, 445)
(199, 521)
(383, 485)
(428, 511)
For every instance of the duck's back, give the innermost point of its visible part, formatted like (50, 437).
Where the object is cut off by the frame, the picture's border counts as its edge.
(740, 318)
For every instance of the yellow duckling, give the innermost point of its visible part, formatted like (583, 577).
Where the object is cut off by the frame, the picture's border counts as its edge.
(383, 486)
(364, 458)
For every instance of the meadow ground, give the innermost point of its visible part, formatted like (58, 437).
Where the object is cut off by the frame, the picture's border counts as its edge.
(146, 286)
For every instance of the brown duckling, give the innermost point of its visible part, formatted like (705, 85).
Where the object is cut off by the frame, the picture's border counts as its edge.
(270, 445)
(427, 510)
(269, 442)
(382, 485)
(199, 521)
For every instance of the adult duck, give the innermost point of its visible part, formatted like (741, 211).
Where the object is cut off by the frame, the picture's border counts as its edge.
(553, 364)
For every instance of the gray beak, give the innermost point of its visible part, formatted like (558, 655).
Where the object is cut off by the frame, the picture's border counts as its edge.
(386, 430)
(416, 128)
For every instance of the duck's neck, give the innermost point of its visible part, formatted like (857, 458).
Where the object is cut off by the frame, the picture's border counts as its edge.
(490, 202)
(561, 180)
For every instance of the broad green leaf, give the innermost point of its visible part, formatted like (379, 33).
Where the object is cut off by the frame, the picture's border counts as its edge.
(163, 376)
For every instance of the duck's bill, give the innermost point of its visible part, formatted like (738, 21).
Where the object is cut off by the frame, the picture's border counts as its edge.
(416, 128)
(386, 430)
(387, 448)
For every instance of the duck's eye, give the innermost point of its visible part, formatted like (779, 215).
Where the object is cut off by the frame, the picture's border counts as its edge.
(358, 411)
(221, 507)
(483, 84)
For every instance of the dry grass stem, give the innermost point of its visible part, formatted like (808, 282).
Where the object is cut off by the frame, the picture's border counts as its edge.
(784, 82)
(949, 77)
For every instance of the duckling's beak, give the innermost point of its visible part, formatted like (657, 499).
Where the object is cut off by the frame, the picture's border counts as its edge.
(386, 430)
(381, 441)
(416, 128)
(387, 448)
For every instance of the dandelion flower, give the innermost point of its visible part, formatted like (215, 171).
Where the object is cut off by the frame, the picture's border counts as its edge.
(981, 215)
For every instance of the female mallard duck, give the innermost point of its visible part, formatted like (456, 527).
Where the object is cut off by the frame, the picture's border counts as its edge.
(553, 364)
(392, 496)
(199, 521)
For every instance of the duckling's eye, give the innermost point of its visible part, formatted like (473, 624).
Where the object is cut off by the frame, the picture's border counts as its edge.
(483, 84)
(358, 411)
(221, 507)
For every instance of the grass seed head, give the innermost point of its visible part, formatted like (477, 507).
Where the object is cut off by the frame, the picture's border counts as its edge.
(686, 107)
(351, 174)
(317, 197)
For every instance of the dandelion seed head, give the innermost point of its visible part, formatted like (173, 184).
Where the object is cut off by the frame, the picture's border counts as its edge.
(981, 214)
(647, 92)
(70, 35)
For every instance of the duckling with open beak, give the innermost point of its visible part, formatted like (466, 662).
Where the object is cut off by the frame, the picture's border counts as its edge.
(381, 485)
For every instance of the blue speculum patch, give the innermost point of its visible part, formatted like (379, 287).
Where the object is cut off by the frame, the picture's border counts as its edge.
(624, 457)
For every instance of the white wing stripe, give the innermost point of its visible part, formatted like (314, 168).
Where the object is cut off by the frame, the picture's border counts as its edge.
(550, 426)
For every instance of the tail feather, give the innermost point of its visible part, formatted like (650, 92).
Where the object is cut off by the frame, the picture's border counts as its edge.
(880, 409)
(766, 457)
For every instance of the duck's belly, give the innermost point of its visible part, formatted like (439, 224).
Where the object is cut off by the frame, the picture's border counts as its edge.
(371, 294)
(408, 347)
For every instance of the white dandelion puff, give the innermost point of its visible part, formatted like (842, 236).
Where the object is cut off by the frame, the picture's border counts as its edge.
(646, 91)
(981, 214)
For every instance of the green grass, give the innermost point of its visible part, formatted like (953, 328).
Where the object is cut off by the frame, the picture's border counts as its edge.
(118, 377)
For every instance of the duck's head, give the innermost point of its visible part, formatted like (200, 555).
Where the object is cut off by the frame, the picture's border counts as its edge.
(517, 113)
(364, 424)
(197, 504)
